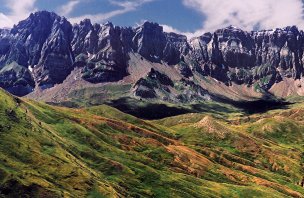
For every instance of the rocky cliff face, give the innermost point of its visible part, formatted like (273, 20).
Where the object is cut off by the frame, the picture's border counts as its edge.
(102, 51)
(40, 44)
(43, 49)
(232, 55)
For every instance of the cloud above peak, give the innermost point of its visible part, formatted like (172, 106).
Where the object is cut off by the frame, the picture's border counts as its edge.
(123, 7)
(18, 10)
(66, 9)
(248, 15)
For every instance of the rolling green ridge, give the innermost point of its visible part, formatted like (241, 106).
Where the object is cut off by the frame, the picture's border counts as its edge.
(51, 151)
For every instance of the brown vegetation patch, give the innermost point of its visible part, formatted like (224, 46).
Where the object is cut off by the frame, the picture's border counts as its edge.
(189, 160)
(247, 144)
(276, 186)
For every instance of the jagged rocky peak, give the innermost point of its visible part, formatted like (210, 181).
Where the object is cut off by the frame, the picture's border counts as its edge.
(281, 48)
(236, 45)
(82, 41)
(155, 45)
(176, 48)
(150, 27)
(39, 43)
(289, 37)
(233, 37)
(32, 33)
(174, 37)
(85, 23)
(102, 51)
(150, 41)
(41, 20)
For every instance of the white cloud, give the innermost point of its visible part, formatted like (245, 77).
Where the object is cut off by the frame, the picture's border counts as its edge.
(18, 10)
(264, 14)
(189, 35)
(5, 21)
(67, 8)
(124, 7)
(247, 15)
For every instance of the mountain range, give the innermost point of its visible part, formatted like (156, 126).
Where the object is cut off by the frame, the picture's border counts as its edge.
(46, 57)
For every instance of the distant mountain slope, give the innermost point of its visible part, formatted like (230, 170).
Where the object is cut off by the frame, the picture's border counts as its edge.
(39, 54)
(51, 151)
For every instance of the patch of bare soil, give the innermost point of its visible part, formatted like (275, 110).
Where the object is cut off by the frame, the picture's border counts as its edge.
(288, 87)
(209, 125)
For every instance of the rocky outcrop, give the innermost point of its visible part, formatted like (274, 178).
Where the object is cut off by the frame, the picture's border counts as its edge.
(147, 87)
(16, 79)
(188, 91)
(157, 85)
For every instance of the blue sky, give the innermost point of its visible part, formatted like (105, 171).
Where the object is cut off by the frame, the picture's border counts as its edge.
(190, 17)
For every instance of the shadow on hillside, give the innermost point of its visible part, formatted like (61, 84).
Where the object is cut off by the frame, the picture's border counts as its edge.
(260, 106)
(145, 110)
(221, 106)
(268, 102)
(152, 111)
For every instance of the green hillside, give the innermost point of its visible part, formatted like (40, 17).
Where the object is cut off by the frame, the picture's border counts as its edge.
(49, 151)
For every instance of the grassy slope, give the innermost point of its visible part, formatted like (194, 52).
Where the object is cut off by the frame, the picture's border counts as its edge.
(51, 151)
(269, 146)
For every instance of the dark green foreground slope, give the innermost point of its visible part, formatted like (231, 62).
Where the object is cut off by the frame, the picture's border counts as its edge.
(48, 151)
